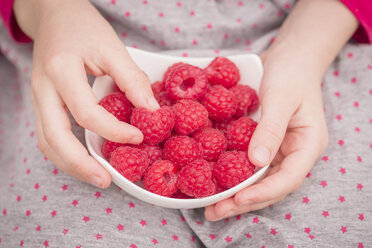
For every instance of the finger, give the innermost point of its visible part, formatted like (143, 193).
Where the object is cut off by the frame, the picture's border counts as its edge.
(65, 149)
(81, 101)
(275, 114)
(228, 208)
(130, 78)
(289, 177)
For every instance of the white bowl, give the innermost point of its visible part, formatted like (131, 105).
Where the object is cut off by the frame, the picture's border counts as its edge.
(154, 65)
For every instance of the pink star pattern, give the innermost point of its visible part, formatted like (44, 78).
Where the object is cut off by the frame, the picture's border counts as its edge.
(343, 229)
(154, 241)
(46, 243)
(99, 236)
(248, 235)
(307, 230)
(212, 236)
(360, 186)
(143, 223)
(288, 216)
(361, 217)
(305, 200)
(53, 213)
(175, 237)
(228, 239)
(342, 171)
(120, 227)
(133, 246)
(108, 210)
(65, 231)
(131, 205)
(341, 198)
(273, 231)
(163, 222)
(75, 203)
(98, 194)
(86, 219)
(323, 183)
(255, 220)
(325, 214)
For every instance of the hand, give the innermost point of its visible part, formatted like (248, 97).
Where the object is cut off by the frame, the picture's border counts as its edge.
(292, 132)
(71, 40)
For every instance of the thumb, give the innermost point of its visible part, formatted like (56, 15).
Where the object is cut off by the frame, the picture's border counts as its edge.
(130, 79)
(276, 111)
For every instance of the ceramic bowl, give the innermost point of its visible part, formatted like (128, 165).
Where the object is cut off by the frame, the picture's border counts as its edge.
(154, 65)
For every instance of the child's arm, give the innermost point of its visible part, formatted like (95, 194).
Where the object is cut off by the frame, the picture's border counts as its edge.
(292, 132)
(72, 39)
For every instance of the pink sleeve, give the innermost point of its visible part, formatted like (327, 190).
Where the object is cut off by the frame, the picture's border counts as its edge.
(6, 12)
(362, 9)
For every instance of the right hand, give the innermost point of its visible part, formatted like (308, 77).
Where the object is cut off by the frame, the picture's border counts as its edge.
(73, 39)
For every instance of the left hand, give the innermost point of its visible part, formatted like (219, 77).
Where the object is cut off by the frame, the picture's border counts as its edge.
(291, 133)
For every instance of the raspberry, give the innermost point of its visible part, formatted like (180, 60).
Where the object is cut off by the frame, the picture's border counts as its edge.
(164, 99)
(182, 150)
(154, 152)
(129, 162)
(212, 141)
(223, 125)
(116, 88)
(161, 94)
(161, 178)
(239, 133)
(186, 82)
(219, 187)
(196, 179)
(180, 195)
(232, 168)
(254, 104)
(219, 102)
(171, 68)
(108, 147)
(208, 124)
(223, 71)
(245, 97)
(189, 116)
(156, 126)
(157, 87)
(117, 104)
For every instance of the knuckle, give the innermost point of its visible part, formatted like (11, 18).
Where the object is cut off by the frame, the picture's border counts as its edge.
(275, 131)
(83, 118)
(57, 62)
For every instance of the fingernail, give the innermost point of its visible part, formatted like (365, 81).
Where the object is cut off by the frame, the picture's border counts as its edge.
(261, 154)
(153, 103)
(136, 139)
(96, 181)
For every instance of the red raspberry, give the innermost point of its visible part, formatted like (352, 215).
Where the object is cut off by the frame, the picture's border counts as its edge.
(186, 82)
(164, 99)
(219, 102)
(129, 162)
(182, 150)
(157, 87)
(239, 133)
(180, 195)
(154, 152)
(171, 68)
(189, 116)
(108, 147)
(223, 125)
(254, 104)
(117, 104)
(116, 88)
(219, 187)
(161, 178)
(245, 97)
(223, 71)
(212, 141)
(196, 179)
(156, 126)
(232, 168)
(208, 124)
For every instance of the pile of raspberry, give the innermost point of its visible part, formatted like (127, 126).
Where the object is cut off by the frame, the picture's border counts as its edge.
(196, 144)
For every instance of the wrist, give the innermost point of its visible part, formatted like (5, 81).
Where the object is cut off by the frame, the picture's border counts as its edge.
(30, 13)
(314, 33)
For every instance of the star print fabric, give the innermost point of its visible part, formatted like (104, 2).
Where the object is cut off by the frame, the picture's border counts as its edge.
(41, 206)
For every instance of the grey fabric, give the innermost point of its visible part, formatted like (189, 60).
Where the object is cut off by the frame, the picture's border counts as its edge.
(43, 207)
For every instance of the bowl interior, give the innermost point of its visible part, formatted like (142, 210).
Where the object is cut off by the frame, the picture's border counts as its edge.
(154, 65)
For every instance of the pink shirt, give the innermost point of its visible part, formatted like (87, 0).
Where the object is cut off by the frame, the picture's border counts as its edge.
(362, 9)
